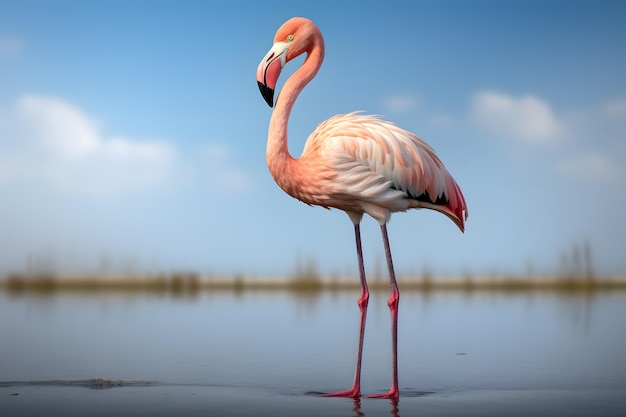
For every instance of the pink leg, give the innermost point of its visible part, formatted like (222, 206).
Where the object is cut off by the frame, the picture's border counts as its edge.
(394, 299)
(355, 391)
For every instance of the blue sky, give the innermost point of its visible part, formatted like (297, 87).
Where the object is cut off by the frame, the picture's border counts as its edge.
(132, 134)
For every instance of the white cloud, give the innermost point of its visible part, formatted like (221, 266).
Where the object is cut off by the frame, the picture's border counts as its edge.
(48, 141)
(593, 166)
(216, 152)
(401, 103)
(615, 109)
(216, 168)
(527, 119)
(10, 46)
(57, 126)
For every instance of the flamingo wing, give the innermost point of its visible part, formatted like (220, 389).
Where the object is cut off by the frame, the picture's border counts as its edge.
(385, 166)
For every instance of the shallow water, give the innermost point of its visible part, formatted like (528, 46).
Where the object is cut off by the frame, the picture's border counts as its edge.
(272, 353)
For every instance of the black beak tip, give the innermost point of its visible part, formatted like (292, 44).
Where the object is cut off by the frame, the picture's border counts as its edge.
(267, 93)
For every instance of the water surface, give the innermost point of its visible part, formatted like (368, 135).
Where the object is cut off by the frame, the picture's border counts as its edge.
(266, 353)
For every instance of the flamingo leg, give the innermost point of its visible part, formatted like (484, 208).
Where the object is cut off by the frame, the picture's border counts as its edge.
(393, 302)
(355, 391)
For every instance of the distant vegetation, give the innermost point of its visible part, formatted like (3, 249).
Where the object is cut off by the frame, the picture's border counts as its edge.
(306, 283)
(576, 275)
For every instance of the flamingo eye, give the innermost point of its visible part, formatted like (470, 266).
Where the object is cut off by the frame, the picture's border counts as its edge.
(290, 38)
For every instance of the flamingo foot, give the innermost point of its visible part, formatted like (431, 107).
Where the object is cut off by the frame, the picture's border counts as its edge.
(354, 392)
(393, 394)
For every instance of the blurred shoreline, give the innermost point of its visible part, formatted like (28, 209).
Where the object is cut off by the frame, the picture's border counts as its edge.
(190, 283)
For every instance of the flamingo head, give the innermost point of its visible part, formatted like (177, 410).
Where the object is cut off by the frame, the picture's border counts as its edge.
(295, 37)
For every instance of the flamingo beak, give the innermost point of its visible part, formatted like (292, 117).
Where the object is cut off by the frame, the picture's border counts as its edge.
(269, 69)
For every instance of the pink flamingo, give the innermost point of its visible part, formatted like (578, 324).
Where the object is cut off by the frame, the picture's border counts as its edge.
(353, 162)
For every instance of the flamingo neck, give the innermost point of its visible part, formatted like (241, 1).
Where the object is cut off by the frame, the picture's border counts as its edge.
(277, 154)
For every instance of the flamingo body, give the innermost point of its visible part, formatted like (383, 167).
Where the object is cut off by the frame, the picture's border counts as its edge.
(369, 165)
(354, 162)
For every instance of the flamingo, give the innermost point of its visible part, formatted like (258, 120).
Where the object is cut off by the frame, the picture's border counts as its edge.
(353, 162)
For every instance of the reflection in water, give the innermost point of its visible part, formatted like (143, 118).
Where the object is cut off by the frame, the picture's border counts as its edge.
(273, 342)
(394, 408)
(357, 408)
(358, 413)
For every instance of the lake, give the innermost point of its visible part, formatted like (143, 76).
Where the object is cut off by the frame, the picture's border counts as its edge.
(272, 353)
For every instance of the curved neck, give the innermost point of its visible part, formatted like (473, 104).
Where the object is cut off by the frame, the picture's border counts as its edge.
(277, 153)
